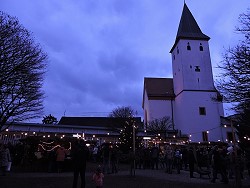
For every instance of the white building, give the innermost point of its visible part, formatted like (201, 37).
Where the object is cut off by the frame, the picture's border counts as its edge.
(190, 98)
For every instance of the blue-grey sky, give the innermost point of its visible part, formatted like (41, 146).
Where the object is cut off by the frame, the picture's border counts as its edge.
(101, 50)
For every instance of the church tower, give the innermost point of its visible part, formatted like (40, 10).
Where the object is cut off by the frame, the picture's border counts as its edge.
(197, 106)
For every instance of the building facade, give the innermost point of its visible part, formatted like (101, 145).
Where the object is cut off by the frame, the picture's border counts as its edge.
(96, 129)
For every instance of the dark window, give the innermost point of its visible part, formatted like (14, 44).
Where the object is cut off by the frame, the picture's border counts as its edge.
(197, 69)
(146, 117)
(204, 136)
(202, 110)
(190, 66)
(229, 136)
(178, 50)
(174, 57)
(188, 46)
(201, 47)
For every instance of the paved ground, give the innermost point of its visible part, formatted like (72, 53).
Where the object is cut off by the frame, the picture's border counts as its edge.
(142, 179)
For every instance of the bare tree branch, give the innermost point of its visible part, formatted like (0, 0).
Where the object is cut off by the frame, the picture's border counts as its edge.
(22, 66)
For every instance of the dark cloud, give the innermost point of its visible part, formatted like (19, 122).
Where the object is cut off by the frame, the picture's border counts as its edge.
(101, 50)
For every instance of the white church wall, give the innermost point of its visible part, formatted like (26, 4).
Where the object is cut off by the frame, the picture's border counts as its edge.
(146, 108)
(189, 120)
(155, 109)
(192, 68)
(159, 109)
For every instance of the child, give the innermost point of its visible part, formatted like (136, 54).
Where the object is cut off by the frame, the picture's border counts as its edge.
(98, 178)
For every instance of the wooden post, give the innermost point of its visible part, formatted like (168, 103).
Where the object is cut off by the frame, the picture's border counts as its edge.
(134, 145)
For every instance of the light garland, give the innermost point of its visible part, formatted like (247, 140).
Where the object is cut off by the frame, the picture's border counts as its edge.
(54, 147)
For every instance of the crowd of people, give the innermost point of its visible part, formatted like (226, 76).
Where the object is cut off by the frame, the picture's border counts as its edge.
(219, 160)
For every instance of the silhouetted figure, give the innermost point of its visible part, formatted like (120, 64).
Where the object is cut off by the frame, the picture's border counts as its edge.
(51, 161)
(113, 159)
(191, 161)
(106, 158)
(169, 157)
(154, 157)
(80, 155)
(61, 153)
(177, 160)
(4, 158)
(219, 165)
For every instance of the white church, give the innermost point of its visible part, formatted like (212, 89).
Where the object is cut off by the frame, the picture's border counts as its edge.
(190, 98)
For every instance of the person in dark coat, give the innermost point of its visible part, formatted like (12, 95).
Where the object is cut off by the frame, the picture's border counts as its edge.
(191, 161)
(80, 154)
(219, 164)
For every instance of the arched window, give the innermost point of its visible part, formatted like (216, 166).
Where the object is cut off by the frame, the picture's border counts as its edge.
(188, 46)
(201, 47)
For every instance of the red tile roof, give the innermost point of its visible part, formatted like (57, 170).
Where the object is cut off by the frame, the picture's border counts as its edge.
(159, 88)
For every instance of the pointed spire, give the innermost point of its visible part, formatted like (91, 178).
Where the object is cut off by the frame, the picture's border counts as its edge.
(188, 27)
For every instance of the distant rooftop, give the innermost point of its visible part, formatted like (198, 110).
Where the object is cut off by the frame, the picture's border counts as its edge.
(95, 121)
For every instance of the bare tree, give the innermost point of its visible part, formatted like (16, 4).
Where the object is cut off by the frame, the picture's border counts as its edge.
(22, 67)
(234, 81)
(49, 119)
(123, 112)
(160, 126)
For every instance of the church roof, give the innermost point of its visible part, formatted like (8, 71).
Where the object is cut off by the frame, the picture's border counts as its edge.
(95, 121)
(188, 28)
(159, 88)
